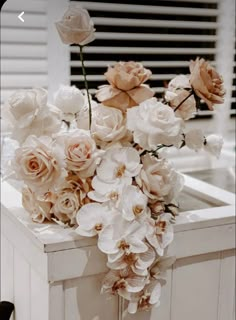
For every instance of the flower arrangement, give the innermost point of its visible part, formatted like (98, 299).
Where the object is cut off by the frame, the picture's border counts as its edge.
(99, 168)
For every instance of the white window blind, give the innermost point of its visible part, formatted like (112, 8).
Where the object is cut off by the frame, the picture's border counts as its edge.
(23, 46)
(163, 34)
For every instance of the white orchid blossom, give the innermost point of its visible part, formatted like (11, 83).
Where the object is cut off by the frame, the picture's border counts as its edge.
(160, 233)
(144, 300)
(92, 218)
(138, 262)
(121, 237)
(133, 203)
(107, 192)
(124, 282)
(119, 163)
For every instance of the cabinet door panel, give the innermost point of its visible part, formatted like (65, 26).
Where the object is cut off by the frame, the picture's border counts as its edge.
(195, 289)
(83, 300)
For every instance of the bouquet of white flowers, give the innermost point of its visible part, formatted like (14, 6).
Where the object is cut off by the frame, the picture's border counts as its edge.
(98, 167)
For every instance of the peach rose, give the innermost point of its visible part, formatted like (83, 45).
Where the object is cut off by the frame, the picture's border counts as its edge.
(66, 205)
(206, 82)
(39, 163)
(177, 91)
(126, 87)
(81, 153)
(76, 26)
(38, 207)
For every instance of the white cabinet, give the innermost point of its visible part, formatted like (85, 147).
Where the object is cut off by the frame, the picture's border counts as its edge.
(50, 273)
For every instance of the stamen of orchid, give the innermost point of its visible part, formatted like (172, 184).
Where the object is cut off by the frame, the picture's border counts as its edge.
(120, 171)
(130, 258)
(113, 195)
(123, 245)
(161, 225)
(144, 301)
(120, 284)
(137, 210)
(98, 227)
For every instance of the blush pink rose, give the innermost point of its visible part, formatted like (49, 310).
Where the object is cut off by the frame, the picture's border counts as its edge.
(40, 164)
(81, 153)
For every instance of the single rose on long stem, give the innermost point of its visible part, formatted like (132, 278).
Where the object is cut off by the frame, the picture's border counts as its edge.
(86, 85)
(206, 82)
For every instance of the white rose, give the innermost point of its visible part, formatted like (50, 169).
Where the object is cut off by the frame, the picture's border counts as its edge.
(39, 163)
(108, 125)
(76, 26)
(81, 154)
(28, 113)
(194, 139)
(24, 105)
(158, 179)
(38, 208)
(69, 100)
(214, 144)
(66, 205)
(179, 82)
(178, 90)
(154, 123)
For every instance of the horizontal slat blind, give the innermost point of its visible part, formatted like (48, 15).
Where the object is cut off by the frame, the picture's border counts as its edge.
(164, 35)
(23, 46)
(233, 100)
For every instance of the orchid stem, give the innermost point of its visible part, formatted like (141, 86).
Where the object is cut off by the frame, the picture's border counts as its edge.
(158, 148)
(190, 94)
(86, 85)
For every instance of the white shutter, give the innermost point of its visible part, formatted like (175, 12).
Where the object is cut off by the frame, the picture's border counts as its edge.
(163, 34)
(233, 99)
(23, 46)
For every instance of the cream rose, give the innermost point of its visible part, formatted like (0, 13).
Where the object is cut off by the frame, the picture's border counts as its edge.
(158, 179)
(178, 90)
(24, 105)
(69, 100)
(126, 87)
(206, 82)
(154, 123)
(81, 154)
(213, 144)
(28, 113)
(39, 163)
(38, 207)
(194, 139)
(66, 205)
(108, 125)
(76, 26)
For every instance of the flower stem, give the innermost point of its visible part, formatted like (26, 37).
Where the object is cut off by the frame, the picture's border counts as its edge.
(190, 94)
(86, 85)
(158, 148)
